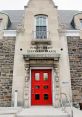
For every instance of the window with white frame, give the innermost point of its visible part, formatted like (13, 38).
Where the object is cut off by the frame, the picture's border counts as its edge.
(41, 26)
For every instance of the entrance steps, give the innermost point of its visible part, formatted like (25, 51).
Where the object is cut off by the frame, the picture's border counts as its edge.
(42, 112)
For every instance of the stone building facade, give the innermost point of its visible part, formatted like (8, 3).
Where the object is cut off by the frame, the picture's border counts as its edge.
(40, 55)
(7, 47)
(75, 58)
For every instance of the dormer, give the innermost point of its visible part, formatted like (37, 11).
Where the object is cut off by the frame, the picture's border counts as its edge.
(77, 21)
(4, 21)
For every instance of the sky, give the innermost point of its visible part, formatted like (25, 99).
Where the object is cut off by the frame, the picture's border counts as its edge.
(62, 4)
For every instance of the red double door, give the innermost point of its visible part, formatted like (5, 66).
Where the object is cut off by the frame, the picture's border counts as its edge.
(41, 93)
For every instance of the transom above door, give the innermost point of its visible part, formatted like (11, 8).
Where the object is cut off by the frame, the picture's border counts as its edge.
(41, 93)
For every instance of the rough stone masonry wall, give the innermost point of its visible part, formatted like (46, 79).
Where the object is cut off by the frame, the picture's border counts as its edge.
(7, 47)
(75, 58)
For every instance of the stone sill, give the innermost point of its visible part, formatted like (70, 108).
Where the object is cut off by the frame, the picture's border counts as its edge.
(41, 41)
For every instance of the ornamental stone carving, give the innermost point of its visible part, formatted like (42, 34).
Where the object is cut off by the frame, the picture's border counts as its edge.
(20, 28)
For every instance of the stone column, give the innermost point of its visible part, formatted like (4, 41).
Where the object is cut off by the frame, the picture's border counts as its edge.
(27, 86)
(56, 87)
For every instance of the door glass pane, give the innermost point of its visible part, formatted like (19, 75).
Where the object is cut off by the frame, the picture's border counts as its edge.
(37, 97)
(45, 76)
(46, 87)
(37, 87)
(37, 76)
(45, 96)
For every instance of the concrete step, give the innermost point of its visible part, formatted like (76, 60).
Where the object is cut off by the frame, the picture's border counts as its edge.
(42, 112)
(9, 111)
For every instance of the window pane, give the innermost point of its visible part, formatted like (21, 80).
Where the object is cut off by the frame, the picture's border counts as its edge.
(41, 28)
(45, 96)
(45, 76)
(46, 87)
(44, 22)
(37, 76)
(37, 22)
(37, 97)
(37, 87)
(41, 21)
(41, 32)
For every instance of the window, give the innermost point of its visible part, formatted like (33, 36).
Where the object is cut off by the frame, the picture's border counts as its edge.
(37, 76)
(41, 27)
(81, 23)
(45, 76)
(46, 87)
(37, 97)
(37, 87)
(46, 96)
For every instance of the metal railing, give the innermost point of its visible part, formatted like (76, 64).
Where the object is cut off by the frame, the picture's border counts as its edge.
(63, 104)
(41, 34)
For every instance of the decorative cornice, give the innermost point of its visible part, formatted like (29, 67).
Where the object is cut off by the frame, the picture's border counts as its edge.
(69, 32)
(72, 33)
(9, 33)
(41, 55)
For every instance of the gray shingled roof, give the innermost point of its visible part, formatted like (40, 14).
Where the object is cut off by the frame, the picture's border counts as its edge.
(65, 17)
(15, 16)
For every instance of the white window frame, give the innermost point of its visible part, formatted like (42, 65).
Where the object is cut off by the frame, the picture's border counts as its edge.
(35, 25)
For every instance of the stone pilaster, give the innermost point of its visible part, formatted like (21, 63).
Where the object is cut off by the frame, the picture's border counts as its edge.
(56, 86)
(27, 86)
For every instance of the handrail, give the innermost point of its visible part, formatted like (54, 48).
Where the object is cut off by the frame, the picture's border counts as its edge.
(69, 103)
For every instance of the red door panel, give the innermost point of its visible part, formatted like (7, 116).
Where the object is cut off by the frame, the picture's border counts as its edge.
(41, 87)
